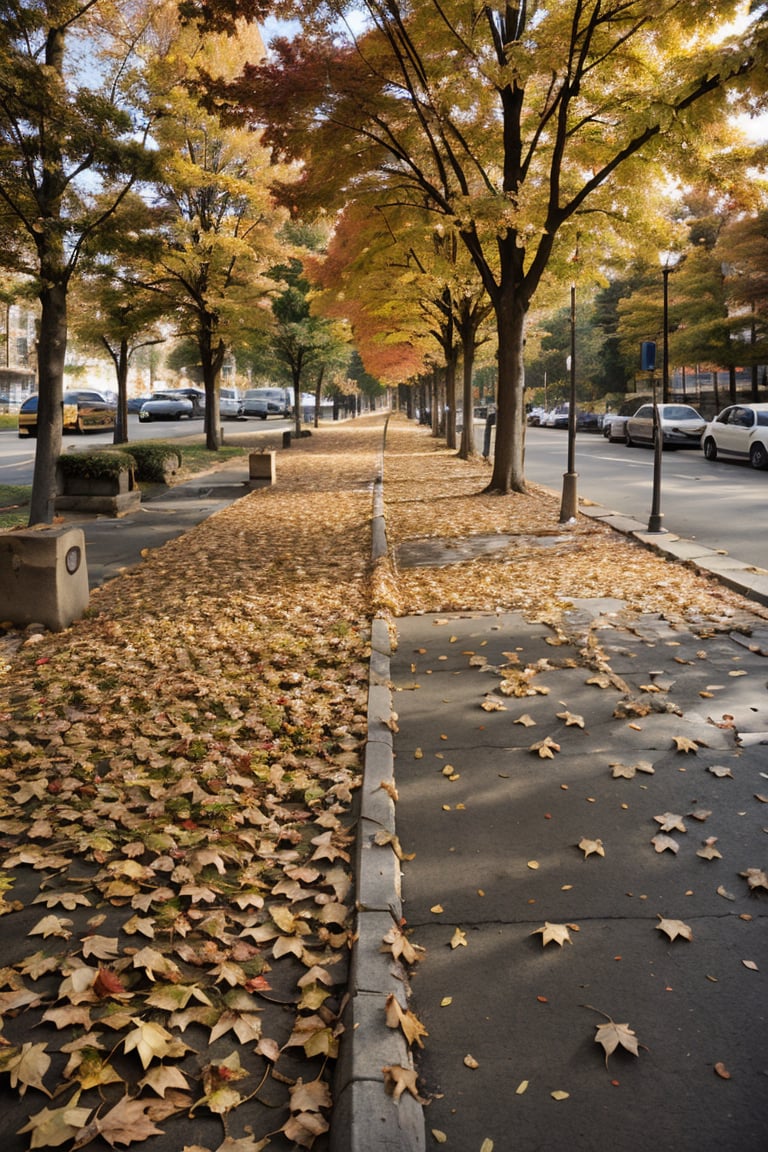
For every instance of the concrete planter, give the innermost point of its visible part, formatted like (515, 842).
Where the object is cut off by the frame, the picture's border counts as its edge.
(43, 577)
(261, 469)
(109, 495)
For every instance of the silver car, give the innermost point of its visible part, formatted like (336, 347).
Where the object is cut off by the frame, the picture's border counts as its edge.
(739, 432)
(166, 406)
(681, 426)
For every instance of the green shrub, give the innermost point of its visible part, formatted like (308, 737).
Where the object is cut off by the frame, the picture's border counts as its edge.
(96, 465)
(152, 461)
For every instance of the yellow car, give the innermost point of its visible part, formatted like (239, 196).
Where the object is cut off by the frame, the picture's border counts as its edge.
(84, 411)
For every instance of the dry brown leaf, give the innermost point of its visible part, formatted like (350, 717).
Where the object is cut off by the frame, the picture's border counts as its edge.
(628, 771)
(674, 928)
(590, 847)
(684, 744)
(553, 933)
(546, 748)
(708, 851)
(459, 939)
(398, 1080)
(755, 878)
(664, 843)
(670, 821)
(407, 1021)
(571, 719)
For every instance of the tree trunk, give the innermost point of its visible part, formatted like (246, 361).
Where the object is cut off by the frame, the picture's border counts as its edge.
(318, 390)
(121, 417)
(450, 397)
(509, 457)
(51, 350)
(212, 352)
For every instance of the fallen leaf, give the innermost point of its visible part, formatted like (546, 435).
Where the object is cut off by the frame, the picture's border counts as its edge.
(558, 1094)
(521, 1088)
(670, 821)
(459, 939)
(722, 1071)
(407, 1021)
(721, 891)
(546, 748)
(471, 1062)
(398, 1080)
(720, 771)
(664, 843)
(553, 933)
(751, 965)
(755, 878)
(438, 1136)
(571, 719)
(684, 744)
(674, 928)
(627, 771)
(526, 720)
(589, 847)
(709, 851)
(613, 1036)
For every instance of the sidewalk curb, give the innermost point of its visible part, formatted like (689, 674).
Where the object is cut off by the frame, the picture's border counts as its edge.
(750, 581)
(366, 1118)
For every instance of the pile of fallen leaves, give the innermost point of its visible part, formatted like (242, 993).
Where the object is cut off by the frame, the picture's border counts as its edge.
(177, 775)
(543, 565)
(176, 779)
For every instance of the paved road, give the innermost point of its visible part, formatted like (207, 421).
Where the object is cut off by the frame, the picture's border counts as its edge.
(719, 505)
(17, 455)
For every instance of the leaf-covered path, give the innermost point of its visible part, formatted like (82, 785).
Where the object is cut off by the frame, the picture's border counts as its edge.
(176, 779)
(177, 787)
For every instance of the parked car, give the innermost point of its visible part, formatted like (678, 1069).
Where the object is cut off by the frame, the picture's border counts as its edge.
(557, 418)
(739, 432)
(681, 426)
(84, 411)
(166, 406)
(135, 402)
(231, 403)
(614, 423)
(264, 402)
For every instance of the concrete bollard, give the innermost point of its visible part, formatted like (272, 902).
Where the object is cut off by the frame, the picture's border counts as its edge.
(261, 469)
(43, 577)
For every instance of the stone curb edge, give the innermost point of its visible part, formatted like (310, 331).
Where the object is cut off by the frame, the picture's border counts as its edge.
(365, 1117)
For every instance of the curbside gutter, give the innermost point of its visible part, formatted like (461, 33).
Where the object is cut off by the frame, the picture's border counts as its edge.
(365, 1117)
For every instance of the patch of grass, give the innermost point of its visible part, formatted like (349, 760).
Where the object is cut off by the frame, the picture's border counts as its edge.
(14, 505)
(9, 420)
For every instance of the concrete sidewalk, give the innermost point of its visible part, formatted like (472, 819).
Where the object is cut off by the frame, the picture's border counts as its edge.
(643, 745)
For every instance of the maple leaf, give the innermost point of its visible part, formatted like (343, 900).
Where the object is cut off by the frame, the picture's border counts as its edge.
(27, 1067)
(546, 748)
(670, 821)
(589, 847)
(683, 744)
(664, 843)
(709, 851)
(628, 771)
(553, 933)
(411, 1026)
(398, 1080)
(674, 928)
(52, 1127)
(526, 720)
(459, 938)
(612, 1036)
(570, 719)
(151, 1041)
(493, 704)
(126, 1123)
(755, 878)
(400, 946)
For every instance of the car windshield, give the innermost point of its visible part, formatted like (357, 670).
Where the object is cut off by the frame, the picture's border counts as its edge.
(680, 412)
(762, 419)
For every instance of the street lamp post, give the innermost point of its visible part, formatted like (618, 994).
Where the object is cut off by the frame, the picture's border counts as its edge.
(656, 517)
(569, 503)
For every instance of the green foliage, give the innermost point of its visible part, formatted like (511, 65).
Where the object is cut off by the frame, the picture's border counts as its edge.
(96, 465)
(152, 460)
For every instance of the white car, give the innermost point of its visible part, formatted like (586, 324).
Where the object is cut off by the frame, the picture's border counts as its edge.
(739, 432)
(231, 404)
(681, 426)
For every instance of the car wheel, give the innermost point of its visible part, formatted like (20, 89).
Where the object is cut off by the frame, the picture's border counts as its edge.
(263, 415)
(628, 439)
(710, 449)
(79, 430)
(607, 431)
(758, 456)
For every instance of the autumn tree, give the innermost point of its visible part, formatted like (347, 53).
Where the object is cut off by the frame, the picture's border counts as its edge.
(112, 313)
(520, 125)
(70, 149)
(218, 222)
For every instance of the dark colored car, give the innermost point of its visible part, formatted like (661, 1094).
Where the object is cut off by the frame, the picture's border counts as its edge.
(84, 411)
